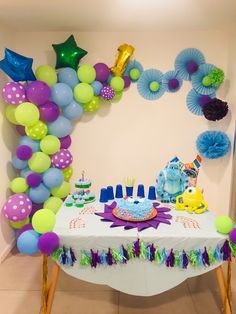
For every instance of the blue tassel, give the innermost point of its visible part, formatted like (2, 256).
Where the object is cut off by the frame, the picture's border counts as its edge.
(103, 258)
(199, 257)
(163, 256)
(148, 252)
(217, 254)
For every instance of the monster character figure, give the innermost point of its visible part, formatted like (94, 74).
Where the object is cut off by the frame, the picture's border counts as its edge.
(171, 182)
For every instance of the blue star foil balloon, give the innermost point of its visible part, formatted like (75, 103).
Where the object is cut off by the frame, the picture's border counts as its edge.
(17, 67)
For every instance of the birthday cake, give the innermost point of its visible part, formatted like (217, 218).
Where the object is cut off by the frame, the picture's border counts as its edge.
(83, 183)
(134, 209)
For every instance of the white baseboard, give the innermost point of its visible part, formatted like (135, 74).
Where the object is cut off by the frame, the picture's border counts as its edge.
(7, 250)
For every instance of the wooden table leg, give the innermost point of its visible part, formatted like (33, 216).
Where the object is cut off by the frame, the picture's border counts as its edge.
(223, 292)
(52, 287)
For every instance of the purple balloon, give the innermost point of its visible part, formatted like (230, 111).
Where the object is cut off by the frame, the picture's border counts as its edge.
(65, 141)
(204, 99)
(232, 235)
(62, 159)
(14, 93)
(48, 243)
(173, 83)
(23, 229)
(107, 93)
(102, 72)
(49, 112)
(24, 152)
(20, 129)
(127, 81)
(38, 92)
(35, 208)
(17, 207)
(33, 180)
(192, 67)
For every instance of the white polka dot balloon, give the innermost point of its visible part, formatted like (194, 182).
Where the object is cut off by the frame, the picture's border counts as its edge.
(14, 93)
(17, 207)
(62, 159)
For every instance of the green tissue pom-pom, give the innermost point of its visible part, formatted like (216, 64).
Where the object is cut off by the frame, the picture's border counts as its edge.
(217, 76)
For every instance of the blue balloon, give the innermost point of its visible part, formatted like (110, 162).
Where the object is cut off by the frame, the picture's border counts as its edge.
(25, 172)
(97, 87)
(73, 111)
(18, 67)
(19, 164)
(53, 177)
(33, 144)
(68, 76)
(27, 243)
(39, 194)
(61, 127)
(62, 94)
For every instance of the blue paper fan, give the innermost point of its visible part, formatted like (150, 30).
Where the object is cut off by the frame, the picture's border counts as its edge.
(146, 79)
(133, 64)
(172, 81)
(188, 61)
(197, 78)
(195, 101)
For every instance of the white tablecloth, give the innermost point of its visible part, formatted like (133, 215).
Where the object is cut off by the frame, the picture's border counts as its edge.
(81, 229)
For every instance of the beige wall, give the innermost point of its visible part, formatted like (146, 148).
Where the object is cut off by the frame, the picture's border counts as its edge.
(136, 137)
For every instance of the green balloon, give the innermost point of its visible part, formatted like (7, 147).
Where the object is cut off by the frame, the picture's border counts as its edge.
(206, 81)
(47, 74)
(224, 224)
(43, 220)
(39, 162)
(154, 86)
(83, 93)
(92, 105)
(27, 114)
(50, 144)
(37, 131)
(117, 96)
(62, 190)
(117, 83)
(86, 73)
(53, 203)
(19, 224)
(19, 185)
(67, 173)
(134, 74)
(10, 114)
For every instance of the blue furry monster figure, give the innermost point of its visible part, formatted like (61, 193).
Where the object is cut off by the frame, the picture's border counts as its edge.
(171, 182)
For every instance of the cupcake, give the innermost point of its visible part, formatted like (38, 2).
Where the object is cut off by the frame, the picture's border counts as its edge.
(79, 203)
(69, 202)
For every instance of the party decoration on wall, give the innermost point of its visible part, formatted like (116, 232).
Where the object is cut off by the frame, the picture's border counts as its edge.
(150, 84)
(196, 102)
(17, 207)
(133, 70)
(192, 201)
(213, 144)
(124, 54)
(188, 62)
(172, 81)
(17, 67)
(14, 93)
(215, 109)
(68, 53)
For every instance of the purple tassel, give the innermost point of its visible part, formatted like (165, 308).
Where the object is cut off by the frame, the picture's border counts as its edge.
(109, 257)
(152, 252)
(73, 258)
(125, 254)
(170, 259)
(63, 256)
(226, 251)
(137, 248)
(205, 258)
(185, 260)
(93, 259)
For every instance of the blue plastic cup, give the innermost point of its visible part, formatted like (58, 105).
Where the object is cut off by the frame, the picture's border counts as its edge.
(129, 190)
(110, 193)
(103, 196)
(152, 193)
(141, 192)
(119, 191)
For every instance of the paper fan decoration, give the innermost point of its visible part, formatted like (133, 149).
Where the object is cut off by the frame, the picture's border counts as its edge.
(188, 61)
(150, 84)
(133, 70)
(202, 82)
(172, 81)
(195, 101)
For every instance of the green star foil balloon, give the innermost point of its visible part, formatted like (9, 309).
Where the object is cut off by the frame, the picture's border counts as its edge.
(68, 54)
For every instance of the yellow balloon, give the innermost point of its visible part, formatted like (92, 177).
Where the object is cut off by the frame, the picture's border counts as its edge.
(62, 190)
(50, 144)
(43, 220)
(27, 114)
(37, 131)
(124, 53)
(67, 173)
(19, 224)
(53, 203)
(19, 185)
(39, 162)
(47, 74)
(10, 114)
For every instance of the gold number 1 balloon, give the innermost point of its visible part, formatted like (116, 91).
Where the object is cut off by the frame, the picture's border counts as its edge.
(124, 53)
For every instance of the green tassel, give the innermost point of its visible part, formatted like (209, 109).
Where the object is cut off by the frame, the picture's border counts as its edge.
(130, 251)
(211, 256)
(85, 260)
(157, 255)
(143, 253)
(216, 76)
(117, 256)
(56, 254)
(233, 248)
(193, 258)
(177, 259)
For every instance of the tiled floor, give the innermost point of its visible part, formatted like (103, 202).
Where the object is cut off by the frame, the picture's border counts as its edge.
(20, 294)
